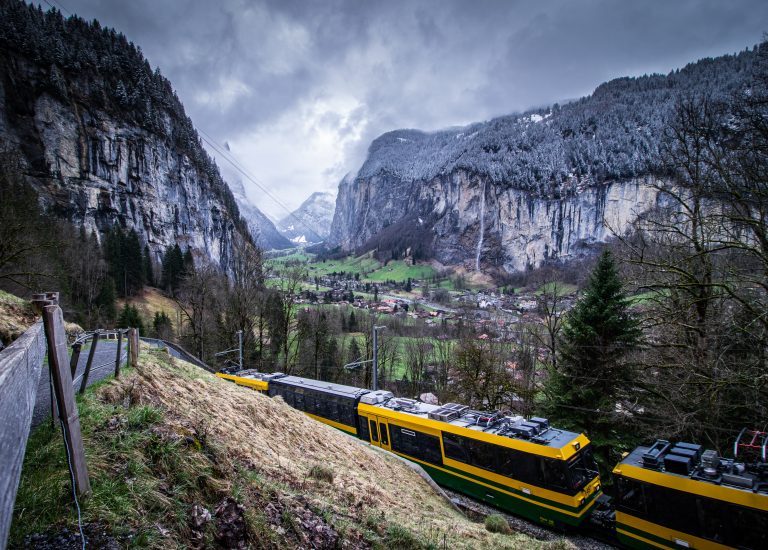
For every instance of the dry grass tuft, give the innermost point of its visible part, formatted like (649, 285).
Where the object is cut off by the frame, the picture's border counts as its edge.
(16, 316)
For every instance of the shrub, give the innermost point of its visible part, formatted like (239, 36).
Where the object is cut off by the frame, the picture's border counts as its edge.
(496, 523)
(321, 473)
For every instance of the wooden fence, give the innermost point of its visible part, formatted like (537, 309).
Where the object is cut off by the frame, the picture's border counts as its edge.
(20, 367)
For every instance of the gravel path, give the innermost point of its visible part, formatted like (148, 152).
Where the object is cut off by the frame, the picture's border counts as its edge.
(103, 366)
(526, 527)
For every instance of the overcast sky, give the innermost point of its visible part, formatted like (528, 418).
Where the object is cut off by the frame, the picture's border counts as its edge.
(298, 89)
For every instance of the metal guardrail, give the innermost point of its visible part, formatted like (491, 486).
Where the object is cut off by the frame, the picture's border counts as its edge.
(179, 352)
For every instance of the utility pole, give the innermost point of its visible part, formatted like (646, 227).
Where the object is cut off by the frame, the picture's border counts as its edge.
(238, 349)
(240, 346)
(376, 356)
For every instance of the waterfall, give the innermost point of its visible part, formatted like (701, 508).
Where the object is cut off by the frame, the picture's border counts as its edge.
(482, 229)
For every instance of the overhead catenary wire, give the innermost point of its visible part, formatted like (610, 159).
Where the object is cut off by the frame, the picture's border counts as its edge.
(231, 159)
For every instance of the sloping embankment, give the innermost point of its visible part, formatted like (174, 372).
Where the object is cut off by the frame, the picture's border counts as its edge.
(180, 458)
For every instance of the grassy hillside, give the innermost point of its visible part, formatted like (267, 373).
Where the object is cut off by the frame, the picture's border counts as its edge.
(150, 301)
(16, 316)
(179, 458)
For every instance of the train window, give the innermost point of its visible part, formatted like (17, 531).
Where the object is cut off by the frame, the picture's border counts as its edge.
(673, 509)
(364, 433)
(298, 400)
(713, 518)
(288, 397)
(749, 528)
(630, 496)
(416, 444)
(483, 454)
(555, 476)
(520, 466)
(384, 436)
(581, 470)
(346, 413)
(471, 451)
(454, 449)
(374, 431)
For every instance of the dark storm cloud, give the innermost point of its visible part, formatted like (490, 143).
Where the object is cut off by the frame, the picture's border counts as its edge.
(299, 89)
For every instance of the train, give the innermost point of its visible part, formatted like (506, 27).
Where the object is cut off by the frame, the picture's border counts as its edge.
(668, 495)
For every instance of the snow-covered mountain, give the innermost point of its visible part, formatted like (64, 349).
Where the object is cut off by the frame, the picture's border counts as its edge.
(264, 232)
(310, 222)
(523, 189)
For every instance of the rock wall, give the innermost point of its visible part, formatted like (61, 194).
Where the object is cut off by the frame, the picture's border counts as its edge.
(96, 171)
(482, 225)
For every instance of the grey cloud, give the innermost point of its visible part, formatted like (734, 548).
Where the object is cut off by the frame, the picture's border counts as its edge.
(256, 68)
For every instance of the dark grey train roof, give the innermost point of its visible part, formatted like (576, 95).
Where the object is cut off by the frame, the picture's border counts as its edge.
(552, 437)
(728, 472)
(350, 392)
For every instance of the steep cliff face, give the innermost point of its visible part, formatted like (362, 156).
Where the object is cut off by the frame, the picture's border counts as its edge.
(519, 190)
(85, 152)
(465, 219)
(263, 231)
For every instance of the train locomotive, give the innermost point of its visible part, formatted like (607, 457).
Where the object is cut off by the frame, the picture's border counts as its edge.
(668, 496)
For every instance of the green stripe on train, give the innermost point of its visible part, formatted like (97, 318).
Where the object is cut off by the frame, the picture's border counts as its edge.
(502, 500)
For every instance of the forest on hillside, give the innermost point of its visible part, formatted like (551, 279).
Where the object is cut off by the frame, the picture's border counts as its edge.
(615, 133)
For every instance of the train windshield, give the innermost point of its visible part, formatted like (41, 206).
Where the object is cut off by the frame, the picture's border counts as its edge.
(582, 469)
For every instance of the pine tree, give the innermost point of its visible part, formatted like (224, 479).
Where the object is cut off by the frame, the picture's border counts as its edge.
(133, 263)
(163, 328)
(188, 263)
(130, 318)
(146, 260)
(591, 374)
(105, 301)
(173, 268)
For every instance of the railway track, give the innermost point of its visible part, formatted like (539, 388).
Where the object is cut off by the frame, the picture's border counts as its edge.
(479, 511)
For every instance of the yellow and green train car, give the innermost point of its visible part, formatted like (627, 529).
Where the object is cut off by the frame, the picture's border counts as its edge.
(525, 467)
(676, 496)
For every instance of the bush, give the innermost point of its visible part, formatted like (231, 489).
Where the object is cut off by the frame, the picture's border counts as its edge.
(496, 523)
(321, 473)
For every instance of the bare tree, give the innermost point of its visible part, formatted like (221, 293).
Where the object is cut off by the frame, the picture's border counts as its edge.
(702, 257)
(198, 301)
(289, 283)
(418, 354)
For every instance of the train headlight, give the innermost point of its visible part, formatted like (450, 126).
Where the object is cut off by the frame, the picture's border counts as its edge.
(582, 501)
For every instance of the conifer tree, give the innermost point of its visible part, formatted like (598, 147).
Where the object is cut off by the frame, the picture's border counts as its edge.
(130, 318)
(173, 268)
(591, 374)
(149, 274)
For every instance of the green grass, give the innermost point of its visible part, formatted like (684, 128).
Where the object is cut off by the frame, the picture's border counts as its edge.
(401, 271)
(367, 268)
(563, 289)
(496, 523)
(8, 298)
(139, 476)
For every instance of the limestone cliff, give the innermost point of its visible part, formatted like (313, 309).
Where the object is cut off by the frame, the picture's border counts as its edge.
(104, 140)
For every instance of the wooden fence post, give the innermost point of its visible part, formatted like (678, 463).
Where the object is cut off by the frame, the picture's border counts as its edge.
(53, 321)
(133, 338)
(119, 350)
(84, 382)
(76, 347)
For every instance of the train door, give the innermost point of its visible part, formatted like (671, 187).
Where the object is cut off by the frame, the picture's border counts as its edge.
(384, 433)
(378, 430)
